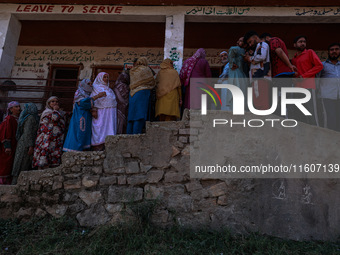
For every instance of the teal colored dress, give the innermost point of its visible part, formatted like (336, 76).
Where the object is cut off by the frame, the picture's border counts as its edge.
(79, 132)
(236, 77)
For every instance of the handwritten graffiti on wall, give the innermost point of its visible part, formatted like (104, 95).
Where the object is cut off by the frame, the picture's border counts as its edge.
(35, 59)
(175, 57)
(118, 55)
(174, 54)
(279, 189)
(29, 57)
(192, 10)
(218, 11)
(307, 195)
(67, 55)
(317, 12)
(239, 11)
(32, 62)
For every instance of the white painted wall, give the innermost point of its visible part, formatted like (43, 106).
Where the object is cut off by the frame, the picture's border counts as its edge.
(9, 36)
(32, 61)
(174, 39)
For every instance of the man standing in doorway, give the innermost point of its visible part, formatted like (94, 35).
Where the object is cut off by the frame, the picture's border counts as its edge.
(329, 90)
(308, 65)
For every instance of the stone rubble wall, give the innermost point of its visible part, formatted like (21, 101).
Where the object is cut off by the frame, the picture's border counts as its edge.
(99, 188)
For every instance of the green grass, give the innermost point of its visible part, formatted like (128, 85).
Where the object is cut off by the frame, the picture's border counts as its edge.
(64, 236)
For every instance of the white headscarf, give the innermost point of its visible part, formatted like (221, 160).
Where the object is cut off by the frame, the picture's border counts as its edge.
(48, 108)
(100, 86)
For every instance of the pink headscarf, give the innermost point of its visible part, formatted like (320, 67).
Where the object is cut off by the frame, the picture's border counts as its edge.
(10, 105)
(189, 65)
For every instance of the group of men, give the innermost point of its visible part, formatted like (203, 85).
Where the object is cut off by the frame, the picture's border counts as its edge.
(268, 64)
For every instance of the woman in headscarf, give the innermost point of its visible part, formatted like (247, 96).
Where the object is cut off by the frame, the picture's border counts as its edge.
(194, 67)
(80, 129)
(8, 142)
(50, 136)
(121, 90)
(26, 134)
(141, 82)
(5, 87)
(104, 114)
(168, 91)
(236, 73)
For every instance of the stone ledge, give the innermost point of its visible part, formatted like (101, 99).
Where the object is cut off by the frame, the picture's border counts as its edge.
(140, 168)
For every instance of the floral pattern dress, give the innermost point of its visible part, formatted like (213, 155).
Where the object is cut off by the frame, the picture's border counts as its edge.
(49, 143)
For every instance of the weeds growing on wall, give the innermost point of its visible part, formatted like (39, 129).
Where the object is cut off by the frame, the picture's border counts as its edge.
(64, 237)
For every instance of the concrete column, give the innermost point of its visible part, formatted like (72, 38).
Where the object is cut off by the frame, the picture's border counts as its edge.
(174, 39)
(10, 28)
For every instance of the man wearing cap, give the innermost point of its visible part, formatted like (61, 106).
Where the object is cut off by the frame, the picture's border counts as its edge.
(225, 67)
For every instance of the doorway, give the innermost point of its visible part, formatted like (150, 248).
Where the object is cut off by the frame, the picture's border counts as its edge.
(63, 82)
(113, 71)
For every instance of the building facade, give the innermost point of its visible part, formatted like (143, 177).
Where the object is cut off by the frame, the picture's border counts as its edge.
(45, 48)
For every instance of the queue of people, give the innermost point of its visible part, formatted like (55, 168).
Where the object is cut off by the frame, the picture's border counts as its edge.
(264, 60)
(32, 142)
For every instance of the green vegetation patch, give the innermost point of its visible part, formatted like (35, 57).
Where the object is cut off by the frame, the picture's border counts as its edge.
(64, 236)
